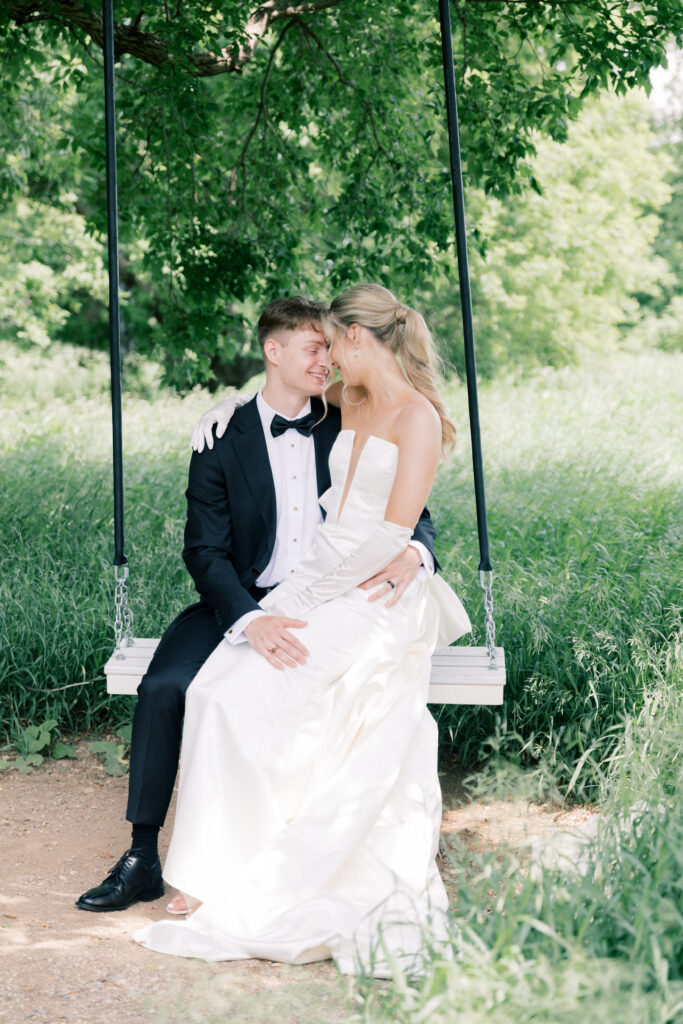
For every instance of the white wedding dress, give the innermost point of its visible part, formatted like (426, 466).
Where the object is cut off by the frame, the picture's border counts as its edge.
(309, 805)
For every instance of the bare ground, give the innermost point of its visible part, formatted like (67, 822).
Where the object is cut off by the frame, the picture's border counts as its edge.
(61, 829)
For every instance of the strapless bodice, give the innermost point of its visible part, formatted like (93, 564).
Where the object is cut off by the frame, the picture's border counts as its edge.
(355, 509)
(366, 499)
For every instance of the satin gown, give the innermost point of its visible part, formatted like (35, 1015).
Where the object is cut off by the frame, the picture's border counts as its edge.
(309, 805)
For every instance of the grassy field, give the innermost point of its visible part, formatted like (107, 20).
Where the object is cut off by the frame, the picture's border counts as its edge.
(543, 945)
(584, 470)
(584, 494)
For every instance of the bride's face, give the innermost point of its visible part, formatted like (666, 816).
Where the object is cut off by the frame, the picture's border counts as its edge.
(343, 356)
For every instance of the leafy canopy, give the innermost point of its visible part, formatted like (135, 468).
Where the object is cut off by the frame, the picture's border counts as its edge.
(296, 146)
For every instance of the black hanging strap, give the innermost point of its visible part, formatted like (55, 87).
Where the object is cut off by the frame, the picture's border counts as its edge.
(464, 277)
(113, 241)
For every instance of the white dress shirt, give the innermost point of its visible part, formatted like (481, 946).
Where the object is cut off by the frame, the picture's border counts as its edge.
(292, 462)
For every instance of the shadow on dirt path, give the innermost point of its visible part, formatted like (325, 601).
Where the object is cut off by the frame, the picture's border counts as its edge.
(62, 828)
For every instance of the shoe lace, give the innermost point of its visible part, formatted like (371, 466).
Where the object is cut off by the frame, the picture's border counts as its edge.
(119, 866)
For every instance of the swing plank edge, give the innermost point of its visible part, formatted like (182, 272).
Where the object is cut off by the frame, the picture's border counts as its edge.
(460, 675)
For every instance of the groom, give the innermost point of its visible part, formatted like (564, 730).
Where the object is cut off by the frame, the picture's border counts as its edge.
(252, 509)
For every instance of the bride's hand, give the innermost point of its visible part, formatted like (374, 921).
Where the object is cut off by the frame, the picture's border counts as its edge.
(401, 572)
(219, 417)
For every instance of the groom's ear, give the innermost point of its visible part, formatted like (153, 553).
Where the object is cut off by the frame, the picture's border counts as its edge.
(271, 351)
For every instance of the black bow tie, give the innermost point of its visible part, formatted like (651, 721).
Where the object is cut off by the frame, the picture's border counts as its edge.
(304, 424)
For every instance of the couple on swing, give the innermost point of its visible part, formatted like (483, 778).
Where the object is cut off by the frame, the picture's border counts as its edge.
(309, 806)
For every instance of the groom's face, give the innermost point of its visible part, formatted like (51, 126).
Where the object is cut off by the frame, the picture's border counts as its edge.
(301, 359)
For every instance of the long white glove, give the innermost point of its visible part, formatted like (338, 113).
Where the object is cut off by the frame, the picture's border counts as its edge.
(326, 573)
(219, 416)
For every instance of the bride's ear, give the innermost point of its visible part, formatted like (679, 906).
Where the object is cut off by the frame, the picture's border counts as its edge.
(353, 338)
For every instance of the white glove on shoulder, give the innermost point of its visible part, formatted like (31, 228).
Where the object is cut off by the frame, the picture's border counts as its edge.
(219, 417)
(326, 573)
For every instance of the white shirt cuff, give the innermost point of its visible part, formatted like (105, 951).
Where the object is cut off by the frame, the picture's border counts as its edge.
(425, 555)
(235, 635)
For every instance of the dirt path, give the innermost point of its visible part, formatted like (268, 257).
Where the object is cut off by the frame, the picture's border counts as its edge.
(62, 828)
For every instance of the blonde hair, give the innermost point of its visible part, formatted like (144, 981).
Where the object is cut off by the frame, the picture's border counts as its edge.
(404, 331)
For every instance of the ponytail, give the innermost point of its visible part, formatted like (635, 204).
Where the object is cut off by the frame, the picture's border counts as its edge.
(421, 365)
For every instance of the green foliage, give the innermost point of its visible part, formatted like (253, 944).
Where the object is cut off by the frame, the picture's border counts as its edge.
(604, 943)
(50, 269)
(664, 324)
(583, 488)
(323, 160)
(114, 755)
(558, 270)
(583, 479)
(584, 501)
(34, 743)
(669, 243)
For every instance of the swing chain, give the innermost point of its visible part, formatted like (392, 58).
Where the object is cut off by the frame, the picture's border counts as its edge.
(123, 617)
(486, 586)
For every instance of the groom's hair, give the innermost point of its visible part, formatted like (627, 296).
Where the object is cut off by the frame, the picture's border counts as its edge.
(289, 314)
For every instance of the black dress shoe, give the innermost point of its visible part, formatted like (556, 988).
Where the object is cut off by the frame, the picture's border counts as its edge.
(130, 880)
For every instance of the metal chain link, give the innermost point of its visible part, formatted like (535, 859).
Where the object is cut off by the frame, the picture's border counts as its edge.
(487, 586)
(123, 617)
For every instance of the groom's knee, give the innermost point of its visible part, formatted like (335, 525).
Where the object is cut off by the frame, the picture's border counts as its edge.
(162, 688)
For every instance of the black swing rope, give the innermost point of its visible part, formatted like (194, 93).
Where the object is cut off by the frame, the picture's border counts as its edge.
(123, 618)
(468, 327)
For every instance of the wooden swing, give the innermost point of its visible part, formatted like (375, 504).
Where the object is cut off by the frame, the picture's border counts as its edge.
(460, 675)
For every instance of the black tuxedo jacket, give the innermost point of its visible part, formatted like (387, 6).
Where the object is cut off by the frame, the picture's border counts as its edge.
(231, 512)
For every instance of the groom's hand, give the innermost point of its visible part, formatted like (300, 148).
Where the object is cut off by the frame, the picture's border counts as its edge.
(402, 571)
(270, 637)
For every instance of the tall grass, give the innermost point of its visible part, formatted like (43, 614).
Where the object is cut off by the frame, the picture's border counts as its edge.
(56, 531)
(583, 483)
(543, 945)
(584, 493)
(585, 508)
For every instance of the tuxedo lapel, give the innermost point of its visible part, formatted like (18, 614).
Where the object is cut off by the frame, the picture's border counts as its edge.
(324, 435)
(249, 446)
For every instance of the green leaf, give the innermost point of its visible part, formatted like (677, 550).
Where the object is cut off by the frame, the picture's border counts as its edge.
(125, 733)
(25, 764)
(113, 761)
(101, 746)
(61, 750)
(114, 766)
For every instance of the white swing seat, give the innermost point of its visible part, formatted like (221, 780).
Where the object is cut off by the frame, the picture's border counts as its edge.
(460, 675)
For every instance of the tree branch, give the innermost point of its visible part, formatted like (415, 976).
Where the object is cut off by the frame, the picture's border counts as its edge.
(150, 47)
(262, 100)
(343, 80)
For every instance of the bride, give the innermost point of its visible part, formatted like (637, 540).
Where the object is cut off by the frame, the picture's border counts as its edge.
(309, 807)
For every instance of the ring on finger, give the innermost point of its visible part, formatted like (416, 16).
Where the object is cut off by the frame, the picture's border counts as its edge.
(391, 584)
(273, 649)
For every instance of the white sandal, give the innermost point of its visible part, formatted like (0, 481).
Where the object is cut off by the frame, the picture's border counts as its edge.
(182, 906)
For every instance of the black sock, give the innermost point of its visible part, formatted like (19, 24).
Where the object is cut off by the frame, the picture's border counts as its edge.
(145, 839)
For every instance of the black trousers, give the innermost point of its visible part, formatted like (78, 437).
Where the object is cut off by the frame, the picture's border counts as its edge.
(157, 725)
